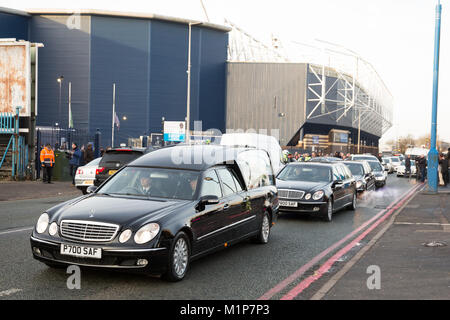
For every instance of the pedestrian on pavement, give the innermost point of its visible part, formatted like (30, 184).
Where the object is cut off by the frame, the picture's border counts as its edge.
(442, 163)
(88, 154)
(47, 158)
(75, 161)
(422, 167)
(446, 168)
(408, 165)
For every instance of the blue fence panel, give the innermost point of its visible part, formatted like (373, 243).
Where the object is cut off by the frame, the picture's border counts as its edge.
(6, 122)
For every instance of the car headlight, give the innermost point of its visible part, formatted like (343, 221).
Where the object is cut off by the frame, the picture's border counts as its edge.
(125, 236)
(146, 233)
(53, 230)
(317, 195)
(308, 196)
(358, 184)
(42, 223)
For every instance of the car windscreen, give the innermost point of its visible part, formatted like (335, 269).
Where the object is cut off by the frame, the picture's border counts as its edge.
(153, 183)
(363, 158)
(356, 168)
(309, 173)
(122, 157)
(375, 165)
(395, 160)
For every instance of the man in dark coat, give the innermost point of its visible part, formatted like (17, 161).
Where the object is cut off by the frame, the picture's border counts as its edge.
(422, 168)
(88, 154)
(446, 167)
(408, 165)
(75, 160)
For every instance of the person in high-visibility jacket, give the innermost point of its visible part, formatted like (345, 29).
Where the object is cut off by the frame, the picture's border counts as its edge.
(47, 158)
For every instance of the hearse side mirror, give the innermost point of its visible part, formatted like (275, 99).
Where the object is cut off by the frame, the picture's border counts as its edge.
(91, 189)
(206, 200)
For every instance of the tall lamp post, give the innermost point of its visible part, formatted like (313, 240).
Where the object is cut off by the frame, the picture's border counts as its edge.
(188, 100)
(59, 80)
(433, 153)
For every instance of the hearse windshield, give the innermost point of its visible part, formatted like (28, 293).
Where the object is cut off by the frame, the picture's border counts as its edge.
(308, 173)
(153, 183)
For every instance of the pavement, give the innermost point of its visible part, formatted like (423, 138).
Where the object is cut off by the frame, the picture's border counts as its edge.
(21, 190)
(410, 260)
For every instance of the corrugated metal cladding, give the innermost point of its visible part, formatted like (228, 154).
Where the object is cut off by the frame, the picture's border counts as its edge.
(257, 93)
(66, 52)
(146, 58)
(14, 26)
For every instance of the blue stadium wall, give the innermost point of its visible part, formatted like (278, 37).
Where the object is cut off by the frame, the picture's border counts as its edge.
(145, 58)
(14, 26)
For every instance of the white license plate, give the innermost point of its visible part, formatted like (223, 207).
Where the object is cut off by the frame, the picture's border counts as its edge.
(79, 251)
(288, 203)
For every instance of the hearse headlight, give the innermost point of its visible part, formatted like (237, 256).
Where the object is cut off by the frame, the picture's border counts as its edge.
(53, 230)
(42, 223)
(308, 196)
(317, 195)
(146, 233)
(359, 184)
(125, 236)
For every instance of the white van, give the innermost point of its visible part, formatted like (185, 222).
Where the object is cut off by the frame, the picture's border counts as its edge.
(260, 141)
(416, 152)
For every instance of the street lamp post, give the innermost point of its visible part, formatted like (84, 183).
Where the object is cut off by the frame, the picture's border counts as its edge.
(433, 153)
(59, 80)
(188, 101)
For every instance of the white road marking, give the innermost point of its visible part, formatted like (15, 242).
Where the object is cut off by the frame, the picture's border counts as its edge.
(16, 230)
(424, 223)
(9, 292)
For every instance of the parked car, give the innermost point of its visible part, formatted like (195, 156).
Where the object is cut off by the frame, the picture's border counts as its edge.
(157, 214)
(362, 172)
(379, 173)
(316, 188)
(395, 162)
(113, 160)
(387, 163)
(85, 175)
(401, 169)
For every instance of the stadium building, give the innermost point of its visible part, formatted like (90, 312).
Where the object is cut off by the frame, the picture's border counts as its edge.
(144, 55)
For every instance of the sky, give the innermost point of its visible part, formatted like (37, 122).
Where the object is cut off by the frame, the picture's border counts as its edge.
(395, 36)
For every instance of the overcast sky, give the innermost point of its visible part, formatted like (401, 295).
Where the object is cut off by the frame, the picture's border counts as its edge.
(395, 36)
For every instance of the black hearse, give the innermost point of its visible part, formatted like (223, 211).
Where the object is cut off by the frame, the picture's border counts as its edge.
(162, 210)
(319, 188)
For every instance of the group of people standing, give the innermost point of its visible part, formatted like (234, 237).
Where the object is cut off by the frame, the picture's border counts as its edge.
(77, 156)
(421, 164)
(300, 157)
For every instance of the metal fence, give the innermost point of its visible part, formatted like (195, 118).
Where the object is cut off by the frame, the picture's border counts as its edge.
(62, 138)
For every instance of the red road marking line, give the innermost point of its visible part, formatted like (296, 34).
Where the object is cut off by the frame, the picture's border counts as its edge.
(283, 284)
(327, 265)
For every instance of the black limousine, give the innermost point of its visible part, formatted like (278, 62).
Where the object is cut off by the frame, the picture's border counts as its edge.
(163, 210)
(319, 188)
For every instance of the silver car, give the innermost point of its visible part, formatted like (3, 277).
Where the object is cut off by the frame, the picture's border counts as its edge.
(85, 175)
